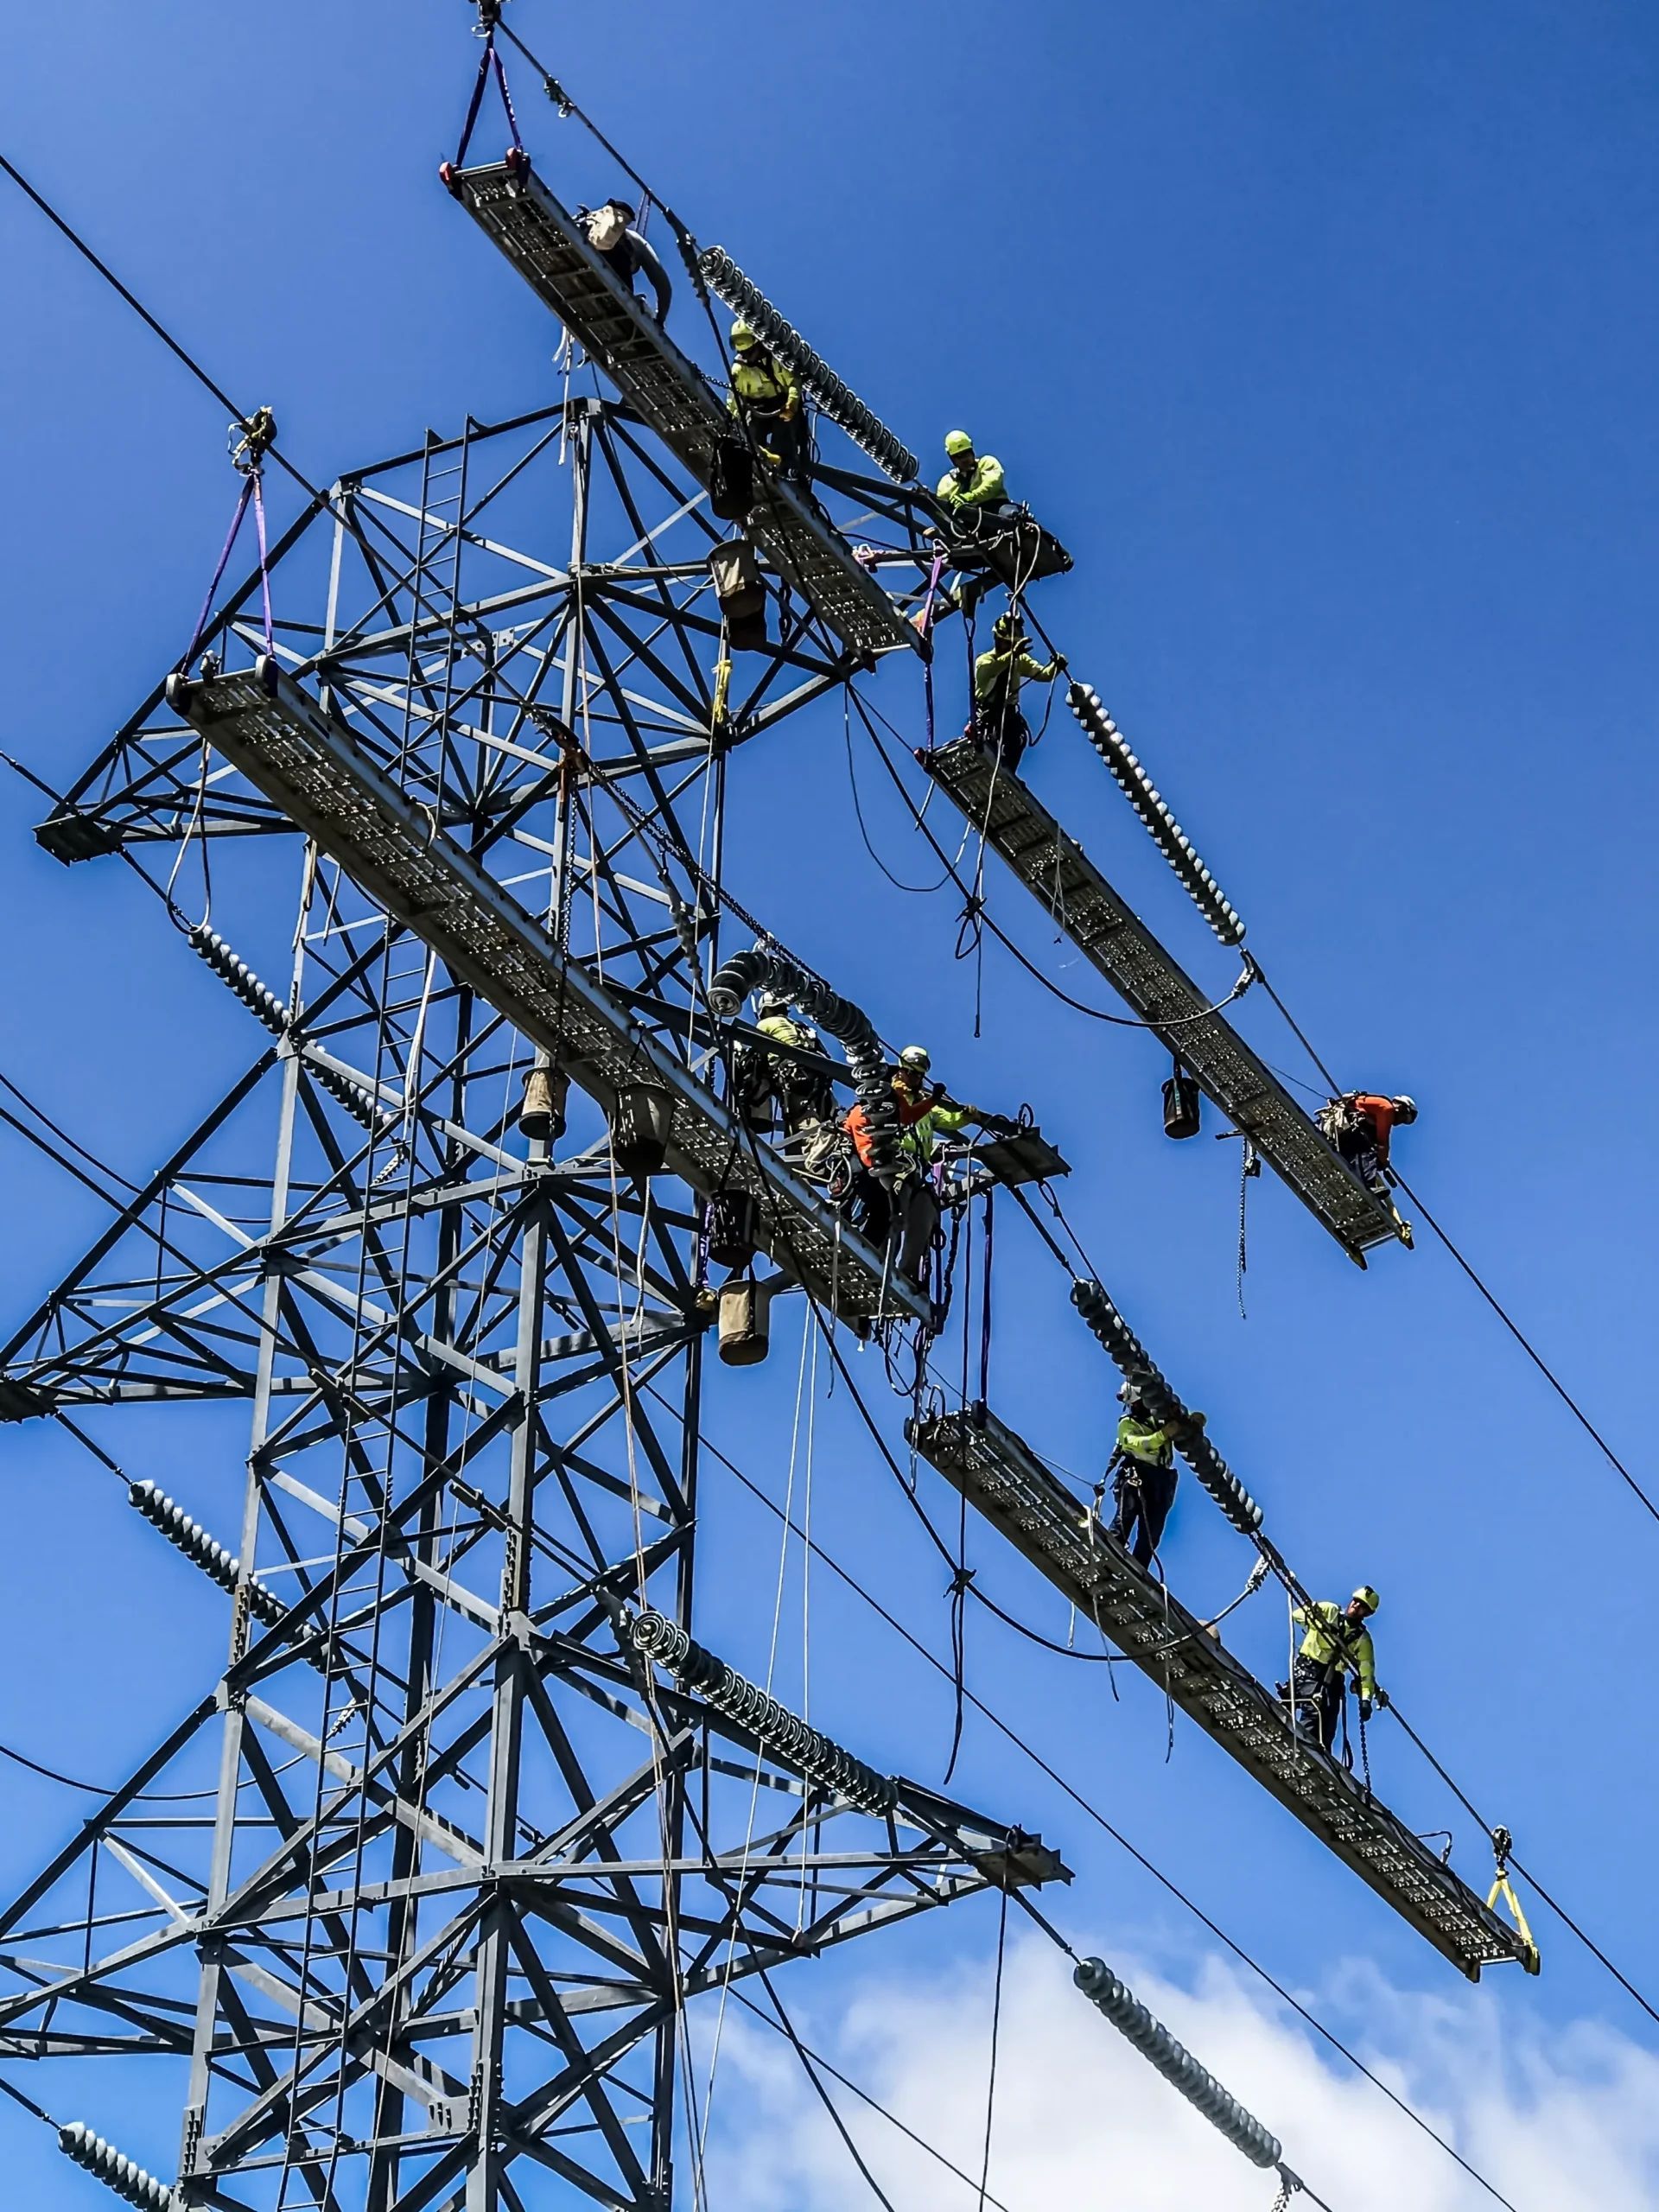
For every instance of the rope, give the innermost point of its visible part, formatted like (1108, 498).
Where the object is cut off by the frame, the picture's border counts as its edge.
(1117, 1020)
(864, 2097)
(996, 2024)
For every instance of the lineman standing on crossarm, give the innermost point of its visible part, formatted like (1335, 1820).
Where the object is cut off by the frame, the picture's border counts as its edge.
(998, 725)
(1146, 1473)
(766, 399)
(613, 238)
(1337, 1644)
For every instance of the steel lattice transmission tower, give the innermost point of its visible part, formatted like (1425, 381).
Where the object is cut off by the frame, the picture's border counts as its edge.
(479, 1832)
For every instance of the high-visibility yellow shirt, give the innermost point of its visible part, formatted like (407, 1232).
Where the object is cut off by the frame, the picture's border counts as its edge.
(1332, 1638)
(983, 486)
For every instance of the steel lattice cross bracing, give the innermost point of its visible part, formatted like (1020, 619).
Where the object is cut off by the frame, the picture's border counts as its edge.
(462, 1860)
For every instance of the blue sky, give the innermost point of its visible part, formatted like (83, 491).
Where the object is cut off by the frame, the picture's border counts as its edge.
(1324, 338)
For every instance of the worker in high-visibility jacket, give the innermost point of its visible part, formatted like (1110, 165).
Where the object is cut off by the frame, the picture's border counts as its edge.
(1337, 1644)
(998, 726)
(974, 486)
(805, 1094)
(766, 398)
(974, 493)
(924, 1111)
(1146, 1474)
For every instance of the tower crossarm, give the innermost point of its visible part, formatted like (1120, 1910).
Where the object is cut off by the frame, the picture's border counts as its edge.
(546, 246)
(311, 766)
(1001, 1475)
(1079, 900)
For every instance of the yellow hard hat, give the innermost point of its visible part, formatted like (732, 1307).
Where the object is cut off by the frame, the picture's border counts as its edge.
(1367, 1597)
(742, 336)
(916, 1055)
(957, 441)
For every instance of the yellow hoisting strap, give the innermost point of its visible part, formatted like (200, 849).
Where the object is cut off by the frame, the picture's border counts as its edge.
(1503, 1887)
(719, 714)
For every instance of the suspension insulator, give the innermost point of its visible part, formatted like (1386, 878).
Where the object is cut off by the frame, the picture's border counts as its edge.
(837, 1017)
(357, 1100)
(1136, 786)
(834, 398)
(1137, 1367)
(1176, 2063)
(264, 1002)
(201, 1549)
(116, 2171)
(758, 1713)
(259, 997)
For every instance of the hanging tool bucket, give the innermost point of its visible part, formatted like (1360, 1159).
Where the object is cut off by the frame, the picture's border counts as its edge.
(731, 480)
(541, 1118)
(730, 1220)
(1181, 1105)
(745, 1323)
(639, 1125)
(741, 594)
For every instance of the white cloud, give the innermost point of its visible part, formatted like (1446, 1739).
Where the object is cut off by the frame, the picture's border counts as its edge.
(1560, 2120)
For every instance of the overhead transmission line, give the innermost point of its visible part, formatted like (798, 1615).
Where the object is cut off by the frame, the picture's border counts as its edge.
(144, 315)
(1023, 1745)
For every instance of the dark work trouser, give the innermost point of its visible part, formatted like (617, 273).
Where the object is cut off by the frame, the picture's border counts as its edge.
(918, 1216)
(786, 440)
(1319, 1692)
(1144, 1495)
(1003, 731)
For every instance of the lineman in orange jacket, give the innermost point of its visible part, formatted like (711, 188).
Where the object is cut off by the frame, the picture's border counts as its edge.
(924, 1112)
(1360, 1125)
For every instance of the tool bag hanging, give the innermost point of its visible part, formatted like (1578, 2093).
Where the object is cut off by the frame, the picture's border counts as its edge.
(1181, 1105)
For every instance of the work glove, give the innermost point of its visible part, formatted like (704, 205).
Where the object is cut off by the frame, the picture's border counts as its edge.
(1380, 1700)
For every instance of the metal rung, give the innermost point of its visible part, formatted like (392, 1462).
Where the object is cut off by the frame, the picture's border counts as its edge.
(997, 1472)
(548, 248)
(310, 766)
(1103, 926)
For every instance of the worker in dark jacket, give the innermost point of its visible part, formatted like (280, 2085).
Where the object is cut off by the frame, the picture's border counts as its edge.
(766, 399)
(1337, 1644)
(998, 725)
(1144, 1462)
(613, 238)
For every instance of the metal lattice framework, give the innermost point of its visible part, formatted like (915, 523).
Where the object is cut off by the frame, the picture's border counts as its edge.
(429, 1939)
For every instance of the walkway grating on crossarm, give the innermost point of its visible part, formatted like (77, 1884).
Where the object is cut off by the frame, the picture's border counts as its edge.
(548, 248)
(1103, 927)
(310, 766)
(998, 1473)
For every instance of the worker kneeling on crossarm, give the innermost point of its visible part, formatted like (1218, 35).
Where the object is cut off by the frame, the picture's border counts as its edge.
(926, 1112)
(998, 726)
(766, 399)
(1145, 1474)
(1337, 1644)
(1360, 1125)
